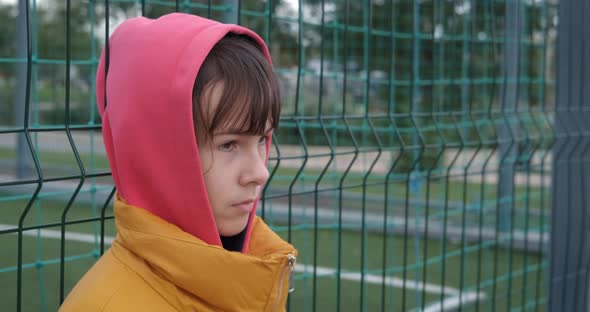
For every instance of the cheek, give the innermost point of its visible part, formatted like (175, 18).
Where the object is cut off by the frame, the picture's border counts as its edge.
(206, 159)
(218, 176)
(214, 189)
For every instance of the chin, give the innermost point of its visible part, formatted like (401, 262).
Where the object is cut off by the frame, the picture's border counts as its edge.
(233, 229)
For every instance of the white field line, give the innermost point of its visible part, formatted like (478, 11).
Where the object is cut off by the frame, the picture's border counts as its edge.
(71, 236)
(455, 300)
(452, 303)
(377, 279)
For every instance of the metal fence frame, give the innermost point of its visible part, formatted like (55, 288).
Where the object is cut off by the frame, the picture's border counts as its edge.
(569, 286)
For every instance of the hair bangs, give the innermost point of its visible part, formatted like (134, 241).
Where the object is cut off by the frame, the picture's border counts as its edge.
(247, 103)
(249, 90)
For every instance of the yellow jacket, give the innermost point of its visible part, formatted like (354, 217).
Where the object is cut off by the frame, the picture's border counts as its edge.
(154, 266)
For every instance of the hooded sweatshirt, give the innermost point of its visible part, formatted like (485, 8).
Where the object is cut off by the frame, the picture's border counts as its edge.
(168, 255)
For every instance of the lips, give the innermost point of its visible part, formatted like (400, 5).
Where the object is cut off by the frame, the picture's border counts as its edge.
(245, 206)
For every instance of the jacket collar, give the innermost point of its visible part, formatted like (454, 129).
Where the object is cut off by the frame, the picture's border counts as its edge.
(189, 273)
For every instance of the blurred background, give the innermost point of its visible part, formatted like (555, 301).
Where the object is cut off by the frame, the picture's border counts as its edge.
(431, 154)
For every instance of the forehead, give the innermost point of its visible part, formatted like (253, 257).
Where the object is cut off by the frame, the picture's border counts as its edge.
(212, 96)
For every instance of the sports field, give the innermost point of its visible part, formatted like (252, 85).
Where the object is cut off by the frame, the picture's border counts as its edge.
(425, 267)
(470, 275)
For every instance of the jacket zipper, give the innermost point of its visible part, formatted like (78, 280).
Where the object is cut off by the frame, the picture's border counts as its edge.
(290, 268)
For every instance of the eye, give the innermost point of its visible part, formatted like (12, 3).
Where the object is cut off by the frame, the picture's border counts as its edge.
(263, 140)
(228, 146)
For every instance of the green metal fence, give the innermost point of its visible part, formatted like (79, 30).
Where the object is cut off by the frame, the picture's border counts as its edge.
(412, 168)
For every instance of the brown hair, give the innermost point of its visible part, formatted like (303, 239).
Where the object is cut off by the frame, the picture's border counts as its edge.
(250, 90)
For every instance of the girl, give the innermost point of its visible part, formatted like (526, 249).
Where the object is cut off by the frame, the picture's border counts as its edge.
(188, 108)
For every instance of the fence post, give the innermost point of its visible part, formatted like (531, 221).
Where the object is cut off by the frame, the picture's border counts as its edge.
(23, 158)
(569, 247)
(508, 146)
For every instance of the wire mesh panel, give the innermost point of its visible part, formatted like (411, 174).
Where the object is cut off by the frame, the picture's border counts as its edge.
(412, 167)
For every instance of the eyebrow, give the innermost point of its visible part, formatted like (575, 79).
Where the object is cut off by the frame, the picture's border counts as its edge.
(238, 132)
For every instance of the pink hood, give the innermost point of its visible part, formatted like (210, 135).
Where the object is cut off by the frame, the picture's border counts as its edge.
(148, 122)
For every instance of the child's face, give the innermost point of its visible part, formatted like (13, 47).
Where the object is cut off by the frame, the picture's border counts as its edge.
(234, 170)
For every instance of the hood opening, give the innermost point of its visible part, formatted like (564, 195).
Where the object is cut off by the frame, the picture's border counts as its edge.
(148, 125)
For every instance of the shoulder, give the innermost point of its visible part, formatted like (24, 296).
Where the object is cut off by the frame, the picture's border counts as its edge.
(111, 286)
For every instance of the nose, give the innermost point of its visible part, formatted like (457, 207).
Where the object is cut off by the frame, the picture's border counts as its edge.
(254, 170)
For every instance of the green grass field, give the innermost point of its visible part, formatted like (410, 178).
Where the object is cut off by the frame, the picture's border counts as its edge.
(502, 278)
(501, 274)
